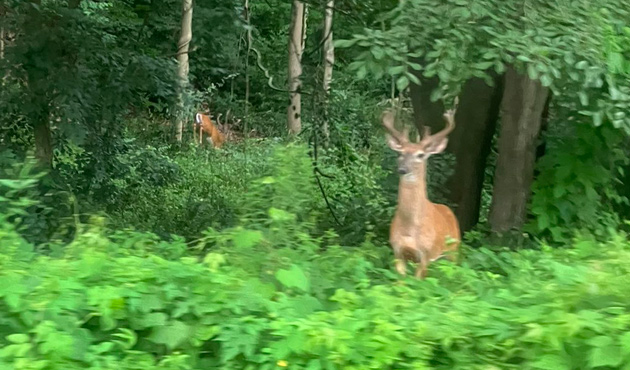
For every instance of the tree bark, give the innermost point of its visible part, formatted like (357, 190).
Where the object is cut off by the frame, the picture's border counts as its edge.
(43, 142)
(470, 142)
(328, 52)
(296, 48)
(521, 115)
(183, 46)
(249, 50)
(1, 43)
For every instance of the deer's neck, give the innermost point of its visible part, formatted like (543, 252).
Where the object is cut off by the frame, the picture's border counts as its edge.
(412, 194)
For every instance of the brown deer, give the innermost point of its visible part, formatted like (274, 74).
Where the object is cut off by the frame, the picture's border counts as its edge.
(204, 123)
(421, 231)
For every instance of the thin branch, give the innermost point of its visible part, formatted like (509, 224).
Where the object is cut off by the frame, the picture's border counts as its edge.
(270, 78)
(316, 171)
(321, 43)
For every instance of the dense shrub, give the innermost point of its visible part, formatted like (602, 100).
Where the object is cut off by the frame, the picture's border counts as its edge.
(273, 291)
(271, 296)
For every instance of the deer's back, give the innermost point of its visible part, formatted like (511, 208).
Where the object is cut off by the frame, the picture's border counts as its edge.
(215, 134)
(446, 228)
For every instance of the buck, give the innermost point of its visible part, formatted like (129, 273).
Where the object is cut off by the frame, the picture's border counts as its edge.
(204, 123)
(421, 231)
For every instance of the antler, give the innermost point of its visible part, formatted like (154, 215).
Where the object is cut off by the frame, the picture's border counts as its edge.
(387, 119)
(449, 117)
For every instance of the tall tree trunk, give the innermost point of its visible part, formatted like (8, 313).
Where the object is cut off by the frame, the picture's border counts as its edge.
(183, 46)
(521, 115)
(43, 142)
(426, 112)
(470, 142)
(296, 41)
(477, 119)
(541, 148)
(249, 50)
(328, 52)
(1, 42)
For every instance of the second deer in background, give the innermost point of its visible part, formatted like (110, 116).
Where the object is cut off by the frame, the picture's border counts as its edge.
(421, 230)
(202, 124)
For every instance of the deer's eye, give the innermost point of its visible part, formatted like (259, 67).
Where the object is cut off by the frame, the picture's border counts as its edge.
(420, 155)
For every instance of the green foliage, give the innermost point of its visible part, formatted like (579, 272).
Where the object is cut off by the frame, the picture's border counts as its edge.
(577, 187)
(583, 59)
(276, 296)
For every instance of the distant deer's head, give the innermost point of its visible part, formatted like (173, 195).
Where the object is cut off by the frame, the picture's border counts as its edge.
(412, 155)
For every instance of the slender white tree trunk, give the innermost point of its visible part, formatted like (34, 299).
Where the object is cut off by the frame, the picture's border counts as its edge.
(249, 50)
(297, 37)
(183, 46)
(328, 53)
(1, 42)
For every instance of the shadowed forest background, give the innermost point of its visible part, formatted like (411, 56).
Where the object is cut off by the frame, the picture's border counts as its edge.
(125, 244)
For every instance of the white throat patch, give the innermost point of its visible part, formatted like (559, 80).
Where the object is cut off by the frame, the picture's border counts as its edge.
(410, 177)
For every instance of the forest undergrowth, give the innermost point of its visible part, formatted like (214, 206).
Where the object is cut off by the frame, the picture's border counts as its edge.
(273, 286)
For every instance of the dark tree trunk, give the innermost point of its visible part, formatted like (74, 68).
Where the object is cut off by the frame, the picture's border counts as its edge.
(541, 148)
(43, 143)
(470, 142)
(521, 117)
(477, 118)
(426, 112)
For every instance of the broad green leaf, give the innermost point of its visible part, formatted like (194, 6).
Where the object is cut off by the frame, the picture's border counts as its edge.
(280, 215)
(402, 83)
(396, 70)
(551, 362)
(244, 238)
(18, 338)
(171, 335)
(293, 278)
(606, 356)
(344, 43)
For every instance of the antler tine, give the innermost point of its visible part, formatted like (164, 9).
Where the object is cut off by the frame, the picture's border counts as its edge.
(426, 132)
(387, 119)
(449, 117)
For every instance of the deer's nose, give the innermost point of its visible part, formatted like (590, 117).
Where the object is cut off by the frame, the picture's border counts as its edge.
(402, 170)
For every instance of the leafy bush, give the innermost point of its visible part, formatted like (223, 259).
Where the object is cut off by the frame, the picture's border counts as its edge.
(577, 186)
(277, 296)
(208, 190)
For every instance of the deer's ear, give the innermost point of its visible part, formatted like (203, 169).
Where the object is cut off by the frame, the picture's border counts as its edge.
(393, 143)
(435, 147)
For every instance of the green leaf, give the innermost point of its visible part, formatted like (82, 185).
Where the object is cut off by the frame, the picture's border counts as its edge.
(361, 72)
(377, 52)
(402, 82)
(551, 362)
(413, 78)
(415, 66)
(344, 43)
(18, 338)
(293, 278)
(247, 238)
(280, 215)
(625, 343)
(583, 97)
(581, 65)
(546, 80)
(543, 221)
(605, 356)
(532, 72)
(484, 65)
(598, 118)
(170, 335)
(396, 70)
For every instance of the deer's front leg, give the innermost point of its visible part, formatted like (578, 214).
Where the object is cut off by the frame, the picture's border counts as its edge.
(401, 264)
(421, 270)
